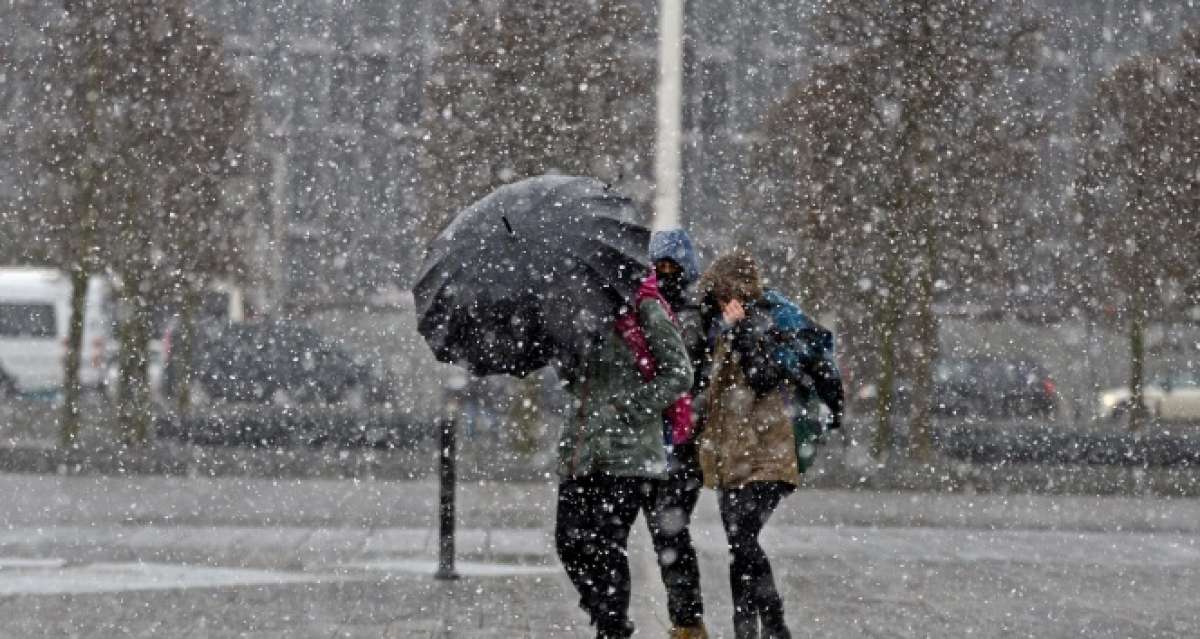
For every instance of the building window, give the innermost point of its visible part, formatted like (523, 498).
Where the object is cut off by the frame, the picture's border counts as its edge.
(714, 96)
(306, 184)
(8, 90)
(393, 179)
(308, 18)
(344, 103)
(276, 105)
(688, 70)
(346, 176)
(305, 266)
(783, 76)
(309, 90)
(345, 23)
(238, 16)
(376, 17)
(408, 88)
(373, 83)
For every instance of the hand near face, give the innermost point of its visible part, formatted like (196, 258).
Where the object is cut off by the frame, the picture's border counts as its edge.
(733, 312)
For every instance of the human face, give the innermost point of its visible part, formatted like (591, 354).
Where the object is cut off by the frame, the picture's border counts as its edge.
(666, 268)
(670, 281)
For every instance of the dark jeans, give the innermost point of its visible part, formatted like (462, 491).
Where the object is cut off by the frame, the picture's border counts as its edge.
(744, 512)
(667, 518)
(595, 513)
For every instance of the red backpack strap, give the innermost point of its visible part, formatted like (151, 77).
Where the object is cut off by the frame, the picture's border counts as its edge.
(629, 326)
(630, 330)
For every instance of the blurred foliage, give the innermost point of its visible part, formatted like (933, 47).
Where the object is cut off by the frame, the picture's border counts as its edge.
(139, 124)
(899, 159)
(525, 87)
(1138, 190)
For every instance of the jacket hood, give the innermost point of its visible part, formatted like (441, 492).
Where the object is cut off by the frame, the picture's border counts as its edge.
(675, 245)
(733, 275)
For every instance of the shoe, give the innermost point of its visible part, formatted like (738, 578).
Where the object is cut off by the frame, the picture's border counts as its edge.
(617, 630)
(745, 625)
(696, 631)
(773, 627)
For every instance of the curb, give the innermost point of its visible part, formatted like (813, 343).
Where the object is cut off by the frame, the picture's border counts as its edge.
(191, 460)
(834, 470)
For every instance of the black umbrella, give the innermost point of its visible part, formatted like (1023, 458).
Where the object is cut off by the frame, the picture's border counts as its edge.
(528, 275)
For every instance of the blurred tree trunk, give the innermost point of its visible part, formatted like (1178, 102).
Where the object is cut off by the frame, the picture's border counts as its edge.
(1137, 360)
(888, 323)
(182, 344)
(133, 400)
(920, 421)
(72, 386)
(74, 226)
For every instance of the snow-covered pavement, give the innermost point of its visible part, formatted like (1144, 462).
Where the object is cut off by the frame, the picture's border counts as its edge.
(153, 556)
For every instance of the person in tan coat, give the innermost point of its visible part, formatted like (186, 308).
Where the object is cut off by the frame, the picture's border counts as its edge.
(747, 446)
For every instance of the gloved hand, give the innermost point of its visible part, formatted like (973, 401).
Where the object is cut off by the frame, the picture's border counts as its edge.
(835, 421)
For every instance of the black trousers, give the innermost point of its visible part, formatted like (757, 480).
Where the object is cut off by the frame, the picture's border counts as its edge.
(668, 518)
(595, 514)
(744, 512)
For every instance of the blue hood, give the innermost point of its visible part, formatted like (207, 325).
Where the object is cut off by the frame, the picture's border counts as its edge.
(675, 245)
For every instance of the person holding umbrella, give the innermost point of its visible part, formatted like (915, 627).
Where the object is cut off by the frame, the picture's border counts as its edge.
(611, 452)
(550, 271)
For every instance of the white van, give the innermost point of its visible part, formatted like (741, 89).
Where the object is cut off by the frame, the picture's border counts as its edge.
(35, 316)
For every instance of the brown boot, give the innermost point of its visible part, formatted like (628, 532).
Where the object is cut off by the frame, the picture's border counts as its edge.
(697, 631)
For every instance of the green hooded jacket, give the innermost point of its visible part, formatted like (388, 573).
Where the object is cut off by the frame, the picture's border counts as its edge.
(615, 424)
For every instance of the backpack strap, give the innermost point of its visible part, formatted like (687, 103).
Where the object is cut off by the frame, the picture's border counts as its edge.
(679, 424)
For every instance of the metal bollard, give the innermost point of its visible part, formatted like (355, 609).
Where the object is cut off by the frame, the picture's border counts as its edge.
(446, 510)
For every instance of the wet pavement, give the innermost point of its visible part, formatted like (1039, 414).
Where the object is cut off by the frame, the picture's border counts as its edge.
(234, 557)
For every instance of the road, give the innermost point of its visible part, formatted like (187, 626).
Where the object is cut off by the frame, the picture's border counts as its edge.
(232, 557)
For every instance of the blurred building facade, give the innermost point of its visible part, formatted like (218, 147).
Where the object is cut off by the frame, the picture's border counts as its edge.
(738, 63)
(339, 83)
(339, 86)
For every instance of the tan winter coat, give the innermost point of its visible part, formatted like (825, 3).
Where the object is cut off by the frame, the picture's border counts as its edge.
(745, 438)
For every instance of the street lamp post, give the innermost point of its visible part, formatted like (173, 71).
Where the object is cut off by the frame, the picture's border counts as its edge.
(670, 95)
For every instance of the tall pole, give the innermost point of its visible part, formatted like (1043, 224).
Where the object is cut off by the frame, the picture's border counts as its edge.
(447, 454)
(279, 221)
(446, 485)
(670, 94)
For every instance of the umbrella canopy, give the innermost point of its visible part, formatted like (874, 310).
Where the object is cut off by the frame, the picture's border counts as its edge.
(527, 276)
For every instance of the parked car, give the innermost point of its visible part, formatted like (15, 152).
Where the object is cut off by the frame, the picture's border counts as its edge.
(35, 318)
(276, 362)
(1172, 397)
(981, 387)
(994, 387)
